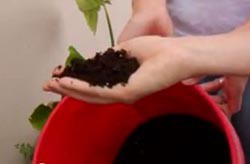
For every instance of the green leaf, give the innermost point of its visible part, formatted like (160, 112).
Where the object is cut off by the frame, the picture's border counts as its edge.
(26, 150)
(91, 17)
(40, 116)
(73, 53)
(90, 10)
(86, 5)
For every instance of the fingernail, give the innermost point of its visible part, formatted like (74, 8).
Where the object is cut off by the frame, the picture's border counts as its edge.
(188, 82)
(221, 80)
(55, 79)
(46, 87)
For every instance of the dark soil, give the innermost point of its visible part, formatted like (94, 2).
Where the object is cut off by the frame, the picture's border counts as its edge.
(105, 69)
(175, 140)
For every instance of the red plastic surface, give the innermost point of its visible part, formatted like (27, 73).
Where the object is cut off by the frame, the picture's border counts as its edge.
(81, 133)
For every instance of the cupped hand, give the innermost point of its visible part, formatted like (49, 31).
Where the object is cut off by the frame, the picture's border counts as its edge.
(160, 67)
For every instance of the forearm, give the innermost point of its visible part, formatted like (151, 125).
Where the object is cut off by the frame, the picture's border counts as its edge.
(148, 5)
(219, 54)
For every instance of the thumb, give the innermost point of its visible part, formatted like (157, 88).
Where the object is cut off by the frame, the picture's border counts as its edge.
(215, 85)
(192, 81)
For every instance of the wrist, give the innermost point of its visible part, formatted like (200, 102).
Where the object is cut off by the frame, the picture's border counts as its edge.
(208, 55)
(226, 54)
(197, 55)
(149, 6)
(181, 57)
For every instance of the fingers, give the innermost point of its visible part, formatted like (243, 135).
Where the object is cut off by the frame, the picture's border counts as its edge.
(53, 85)
(82, 90)
(230, 99)
(223, 104)
(235, 104)
(228, 106)
(117, 93)
(233, 89)
(192, 81)
(218, 99)
(215, 85)
(225, 110)
(81, 86)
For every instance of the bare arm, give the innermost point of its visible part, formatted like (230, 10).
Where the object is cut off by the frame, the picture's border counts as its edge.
(222, 54)
(140, 5)
(169, 60)
(149, 17)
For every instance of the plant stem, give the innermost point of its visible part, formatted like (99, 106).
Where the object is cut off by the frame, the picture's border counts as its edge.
(109, 26)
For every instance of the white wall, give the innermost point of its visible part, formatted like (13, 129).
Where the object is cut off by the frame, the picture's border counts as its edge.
(34, 36)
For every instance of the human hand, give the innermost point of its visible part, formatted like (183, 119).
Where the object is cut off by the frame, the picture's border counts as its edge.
(230, 91)
(231, 87)
(161, 66)
(168, 60)
(147, 19)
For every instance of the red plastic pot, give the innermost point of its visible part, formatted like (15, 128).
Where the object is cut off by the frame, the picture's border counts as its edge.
(81, 133)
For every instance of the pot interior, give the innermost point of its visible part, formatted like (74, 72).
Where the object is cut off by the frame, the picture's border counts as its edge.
(175, 139)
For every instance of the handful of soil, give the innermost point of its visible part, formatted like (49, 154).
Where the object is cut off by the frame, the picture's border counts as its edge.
(175, 139)
(105, 69)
